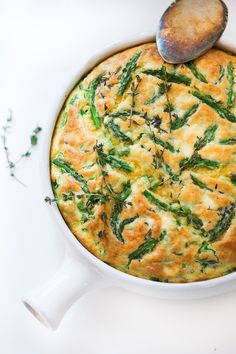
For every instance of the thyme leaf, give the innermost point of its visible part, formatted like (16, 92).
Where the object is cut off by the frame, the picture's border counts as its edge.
(50, 200)
(68, 196)
(55, 185)
(5, 129)
(127, 72)
(104, 217)
(101, 233)
(85, 212)
(169, 107)
(96, 198)
(34, 138)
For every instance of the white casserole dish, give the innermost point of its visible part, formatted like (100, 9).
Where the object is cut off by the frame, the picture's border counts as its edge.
(81, 271)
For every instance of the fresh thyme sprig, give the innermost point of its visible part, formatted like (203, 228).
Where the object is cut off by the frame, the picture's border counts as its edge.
(50, 200)
(5, 129)
(98, 148)
(158, 158)
(221, 75)
(119, 198)
(33, 142)
(169, 105)
(133, 93)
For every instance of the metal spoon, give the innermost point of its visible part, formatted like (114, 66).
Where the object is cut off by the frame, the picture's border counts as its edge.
(189, 28)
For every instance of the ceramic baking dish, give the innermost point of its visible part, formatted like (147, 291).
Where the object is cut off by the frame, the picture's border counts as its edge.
(81, 271)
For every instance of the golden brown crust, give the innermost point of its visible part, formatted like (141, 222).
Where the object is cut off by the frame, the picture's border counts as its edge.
(192, 236)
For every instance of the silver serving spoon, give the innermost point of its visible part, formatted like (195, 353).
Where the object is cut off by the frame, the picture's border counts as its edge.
(189, 28)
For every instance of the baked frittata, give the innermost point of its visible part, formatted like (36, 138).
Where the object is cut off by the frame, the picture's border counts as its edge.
(143, 164)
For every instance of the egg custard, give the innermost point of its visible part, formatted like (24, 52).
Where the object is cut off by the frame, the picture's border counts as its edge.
(143, 164)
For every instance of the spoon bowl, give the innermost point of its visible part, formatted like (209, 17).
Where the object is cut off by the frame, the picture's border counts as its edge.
(188, 29)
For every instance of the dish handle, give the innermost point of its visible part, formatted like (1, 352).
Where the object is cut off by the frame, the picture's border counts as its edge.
(51, 301)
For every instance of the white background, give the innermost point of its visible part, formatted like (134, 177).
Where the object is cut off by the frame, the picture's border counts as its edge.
(41, 45)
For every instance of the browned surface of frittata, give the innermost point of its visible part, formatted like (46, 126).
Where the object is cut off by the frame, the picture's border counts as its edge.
(144, 169)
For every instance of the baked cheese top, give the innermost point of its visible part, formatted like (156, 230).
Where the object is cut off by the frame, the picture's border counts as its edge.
(143, 164)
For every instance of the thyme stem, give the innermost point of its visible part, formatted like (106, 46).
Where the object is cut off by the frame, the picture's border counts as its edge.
(33, 140)
(133, 93)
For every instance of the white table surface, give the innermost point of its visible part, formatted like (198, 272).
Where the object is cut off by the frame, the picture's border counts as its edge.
(42, 42)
